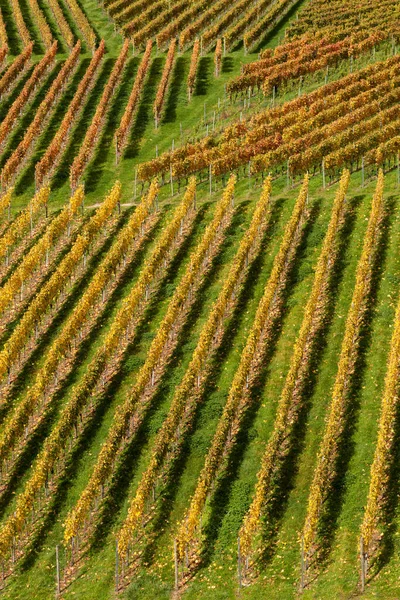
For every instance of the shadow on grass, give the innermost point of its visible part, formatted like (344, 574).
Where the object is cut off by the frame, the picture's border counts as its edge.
(280, 26)
(14, 41)
(227, 64)
(284, 480)
(178, 77)
(336, 494)
(35, 443)
(218, 503)
(62, 172)
(25, 120)
(99, 160)
(28, 175)
(126, 464)
(178, 461)
(204, 74)
(143, 114)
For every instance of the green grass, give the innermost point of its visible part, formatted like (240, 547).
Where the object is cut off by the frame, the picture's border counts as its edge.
(217, 577)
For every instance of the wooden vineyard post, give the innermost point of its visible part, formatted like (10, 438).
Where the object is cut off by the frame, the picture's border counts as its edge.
(210, 177)
(398, 168)
(239, 565)
(116, 567)
(176, 565)
(171, 180)
(303, 568)
(323, 174)
(363, 562)
(58, 588)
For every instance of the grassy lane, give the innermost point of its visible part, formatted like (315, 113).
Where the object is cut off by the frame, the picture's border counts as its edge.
(102, 25)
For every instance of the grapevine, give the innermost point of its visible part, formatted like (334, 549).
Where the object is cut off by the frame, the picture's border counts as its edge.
(3, 32)
(260, 333)
(289, 405)
(39, 251)
(17, 67)
(82, 23)
(383, 457)
(41, 23)
(52, 450)
(121, 135)
(48, 163)
(186, 395)
(62, 23)
(41, 303)
(325, 470)
(164, 83)
(92, 135)
(20, 23)
(25, 95)
(132, 409)
(218, 58)
(24, 220)
(194, 63)
(18, 158)
(30, 411)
